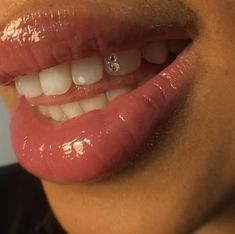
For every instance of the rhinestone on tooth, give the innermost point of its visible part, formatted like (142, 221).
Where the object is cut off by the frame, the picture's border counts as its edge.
(112, 62)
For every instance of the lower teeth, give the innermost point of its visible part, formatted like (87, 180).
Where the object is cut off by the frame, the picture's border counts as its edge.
(68, 111)
(76, 109)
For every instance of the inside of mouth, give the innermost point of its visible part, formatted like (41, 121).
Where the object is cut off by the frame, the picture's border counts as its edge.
(69, 90)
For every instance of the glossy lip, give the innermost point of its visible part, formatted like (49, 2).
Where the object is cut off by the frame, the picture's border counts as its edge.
(99, 143)
(46, 38)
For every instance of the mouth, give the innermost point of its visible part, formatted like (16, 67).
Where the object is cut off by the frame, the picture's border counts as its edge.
(90, 97)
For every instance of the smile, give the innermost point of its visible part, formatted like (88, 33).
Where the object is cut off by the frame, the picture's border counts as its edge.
(90, 96)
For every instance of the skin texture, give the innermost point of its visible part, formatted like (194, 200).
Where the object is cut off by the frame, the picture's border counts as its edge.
(186, 182)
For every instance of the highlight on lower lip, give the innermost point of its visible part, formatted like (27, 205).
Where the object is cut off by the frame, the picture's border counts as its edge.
(99, 142)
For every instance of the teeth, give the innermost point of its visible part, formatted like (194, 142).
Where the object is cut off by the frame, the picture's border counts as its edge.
(28, 86)
(129, 62)
(76, 109)
(56, 113)
(72, 110)
(56, 80)
(44, 110)
(18, 88)
(95, 103)
(156, 52)
(87, 71)
(113, 94)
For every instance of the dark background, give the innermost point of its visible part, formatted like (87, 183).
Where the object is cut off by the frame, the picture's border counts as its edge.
(24, 208)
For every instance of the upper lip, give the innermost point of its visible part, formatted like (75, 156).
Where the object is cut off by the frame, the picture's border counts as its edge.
(43, 38)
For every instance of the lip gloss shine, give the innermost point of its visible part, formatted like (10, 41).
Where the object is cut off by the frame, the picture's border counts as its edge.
(98, 143)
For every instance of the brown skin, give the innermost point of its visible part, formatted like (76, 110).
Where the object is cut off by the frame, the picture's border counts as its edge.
(189, 176)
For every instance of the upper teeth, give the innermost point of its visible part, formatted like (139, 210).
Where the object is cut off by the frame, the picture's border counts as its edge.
(87, 71)
(56, 80)
(29, 86)
(59, 79)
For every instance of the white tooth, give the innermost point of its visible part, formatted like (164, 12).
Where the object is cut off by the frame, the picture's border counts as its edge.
(43, 110)
(95, 103)
(56, 113)
(28, 86)
(56, 80)
(113, 94)
(87, 71)
(72, 110)
(129, 62)
(177, 46)
(18, 89)
(156, 52)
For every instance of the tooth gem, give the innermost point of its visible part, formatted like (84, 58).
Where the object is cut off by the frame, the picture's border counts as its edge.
(113, 64)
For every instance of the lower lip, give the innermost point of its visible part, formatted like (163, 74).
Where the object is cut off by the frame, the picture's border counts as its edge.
(102, 142)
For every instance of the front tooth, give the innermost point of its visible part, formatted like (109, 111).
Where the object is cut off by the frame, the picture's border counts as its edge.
(156, 52)
(28, 86)
(72, 110)
(87, 71)
(113, 94)
(56, 113)
(95, 103)
(129, 62)
(56, 80)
